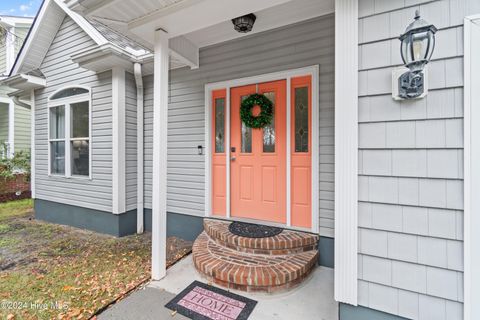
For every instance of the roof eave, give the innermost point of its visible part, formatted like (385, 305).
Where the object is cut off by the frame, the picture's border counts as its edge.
(24, 82)
(106, 57)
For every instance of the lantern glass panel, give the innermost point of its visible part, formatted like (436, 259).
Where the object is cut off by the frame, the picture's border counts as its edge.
(406, 50)
(420, 46)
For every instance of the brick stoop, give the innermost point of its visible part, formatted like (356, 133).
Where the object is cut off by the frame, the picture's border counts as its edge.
(286, 242)
(255, 265)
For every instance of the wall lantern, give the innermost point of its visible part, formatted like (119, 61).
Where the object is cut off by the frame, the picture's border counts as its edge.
(417, 45)
(244, 23)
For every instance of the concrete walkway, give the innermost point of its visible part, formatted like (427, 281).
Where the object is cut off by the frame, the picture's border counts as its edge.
(313, 299)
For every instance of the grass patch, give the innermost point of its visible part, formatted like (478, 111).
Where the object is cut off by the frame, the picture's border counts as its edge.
(8, 242)
(4, 228)
(14, 209)
(59, 272)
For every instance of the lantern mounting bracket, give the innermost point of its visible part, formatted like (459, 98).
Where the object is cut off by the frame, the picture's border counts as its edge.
(411, 85)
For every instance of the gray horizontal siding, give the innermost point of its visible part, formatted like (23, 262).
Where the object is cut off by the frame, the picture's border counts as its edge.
(131, 142)
(60, 71)
(22, 129)
(3, 56)
(3, 124)
(304, 44)
(411, 166)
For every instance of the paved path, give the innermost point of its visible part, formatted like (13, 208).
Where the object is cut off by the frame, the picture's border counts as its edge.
(312, 300)
(145, 304)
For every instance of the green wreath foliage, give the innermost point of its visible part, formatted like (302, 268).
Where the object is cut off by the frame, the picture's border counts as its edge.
(266, 114)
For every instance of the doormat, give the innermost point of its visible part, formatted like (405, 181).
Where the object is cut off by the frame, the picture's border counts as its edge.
(251, 230)
(200, 301)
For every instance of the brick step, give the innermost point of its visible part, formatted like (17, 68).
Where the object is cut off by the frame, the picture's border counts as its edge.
(250, 272)
(286, 242)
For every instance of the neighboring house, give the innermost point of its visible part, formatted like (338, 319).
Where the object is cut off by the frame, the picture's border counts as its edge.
(14, 119)
(128, 133)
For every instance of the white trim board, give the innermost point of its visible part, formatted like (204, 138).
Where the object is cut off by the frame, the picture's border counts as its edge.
(346, 151)
(471, 168)
(312, 71)
(118, 141)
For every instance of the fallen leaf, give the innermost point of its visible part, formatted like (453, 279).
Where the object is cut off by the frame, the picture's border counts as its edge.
(173, 313)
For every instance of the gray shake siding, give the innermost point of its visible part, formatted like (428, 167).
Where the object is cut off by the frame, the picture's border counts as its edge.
(60, 71)
(411, 166)
(304, 44)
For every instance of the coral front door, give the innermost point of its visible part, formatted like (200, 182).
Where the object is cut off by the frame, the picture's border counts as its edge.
(258, 157)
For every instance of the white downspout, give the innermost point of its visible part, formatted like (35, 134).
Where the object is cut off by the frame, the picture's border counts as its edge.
(139, 83)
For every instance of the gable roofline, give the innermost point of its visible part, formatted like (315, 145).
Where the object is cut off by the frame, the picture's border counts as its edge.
(13, 21)
(46, 5)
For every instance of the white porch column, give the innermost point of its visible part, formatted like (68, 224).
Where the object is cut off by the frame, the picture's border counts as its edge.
(346, 150)
(11, 129)
(32, 143)
(159, 179)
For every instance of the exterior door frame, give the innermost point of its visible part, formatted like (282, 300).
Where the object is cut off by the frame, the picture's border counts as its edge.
(312, 71)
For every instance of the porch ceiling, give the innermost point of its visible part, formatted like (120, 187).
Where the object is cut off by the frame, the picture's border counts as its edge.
(203, 22)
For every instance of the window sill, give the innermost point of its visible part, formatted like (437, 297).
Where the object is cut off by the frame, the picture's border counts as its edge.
(73, 177)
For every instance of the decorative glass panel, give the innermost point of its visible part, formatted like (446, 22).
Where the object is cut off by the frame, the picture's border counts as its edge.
(57, 122)
(246, 135)
(80, 157)
(80, 119)
(301, 119)
(57, 157)
(68, 93)
(220, 125)
(269, 131)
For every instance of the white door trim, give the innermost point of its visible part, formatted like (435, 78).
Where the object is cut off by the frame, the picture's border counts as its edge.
(313, 71)
(471, 172)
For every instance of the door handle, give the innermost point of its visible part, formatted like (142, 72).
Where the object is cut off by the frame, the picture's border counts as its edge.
(233, 158)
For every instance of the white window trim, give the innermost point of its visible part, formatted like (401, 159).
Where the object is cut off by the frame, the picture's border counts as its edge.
(66, 102)
(312, 71)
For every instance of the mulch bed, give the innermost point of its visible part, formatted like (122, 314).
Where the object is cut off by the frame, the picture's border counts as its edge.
(14, 196)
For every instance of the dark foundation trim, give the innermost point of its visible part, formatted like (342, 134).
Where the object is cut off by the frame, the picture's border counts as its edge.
(95, 220)
(179, 225)
(349, 312)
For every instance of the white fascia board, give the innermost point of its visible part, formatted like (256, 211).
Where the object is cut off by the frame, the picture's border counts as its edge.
(185, 51)
(83, 23)
(24, 82)
(41, 18)
(31, 36)
(16, 21)
(105, 58)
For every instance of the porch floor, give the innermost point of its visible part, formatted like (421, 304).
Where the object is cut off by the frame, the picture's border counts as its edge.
(313, 299)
